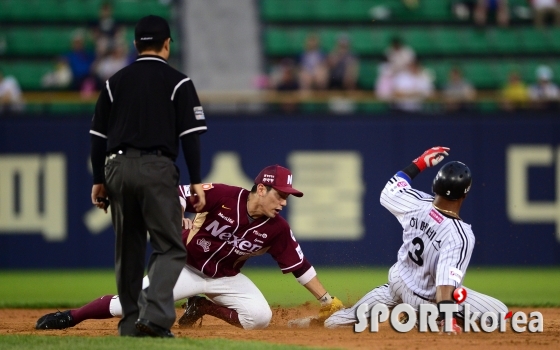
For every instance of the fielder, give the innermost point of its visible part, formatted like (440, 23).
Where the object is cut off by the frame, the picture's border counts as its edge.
(437, 243)
(234, 225)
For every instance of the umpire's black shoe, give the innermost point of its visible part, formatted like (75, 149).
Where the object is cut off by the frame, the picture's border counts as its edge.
(152, 329)
(192, 313)
(55, 320)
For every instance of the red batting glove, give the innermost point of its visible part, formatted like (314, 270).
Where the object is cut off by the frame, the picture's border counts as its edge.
(455, 329)
(431, 157)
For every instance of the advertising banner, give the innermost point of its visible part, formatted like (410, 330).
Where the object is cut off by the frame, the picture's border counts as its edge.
(340, 163)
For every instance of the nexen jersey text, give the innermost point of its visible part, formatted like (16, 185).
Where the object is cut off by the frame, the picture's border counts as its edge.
(226, 237)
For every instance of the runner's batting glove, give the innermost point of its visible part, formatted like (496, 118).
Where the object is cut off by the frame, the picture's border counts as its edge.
(329, 305)
(431, 157)
(455, 329)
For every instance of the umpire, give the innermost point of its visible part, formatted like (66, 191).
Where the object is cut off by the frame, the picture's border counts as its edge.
(141, 113)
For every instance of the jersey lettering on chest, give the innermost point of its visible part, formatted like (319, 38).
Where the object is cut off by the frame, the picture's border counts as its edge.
(424, 227)
(242, 246)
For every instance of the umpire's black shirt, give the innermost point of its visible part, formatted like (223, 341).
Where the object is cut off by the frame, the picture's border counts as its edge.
(148, 106)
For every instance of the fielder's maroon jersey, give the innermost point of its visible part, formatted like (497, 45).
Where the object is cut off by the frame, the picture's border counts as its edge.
(223, 237)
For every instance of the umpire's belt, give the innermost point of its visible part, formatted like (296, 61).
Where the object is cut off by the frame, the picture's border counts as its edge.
(133, 152)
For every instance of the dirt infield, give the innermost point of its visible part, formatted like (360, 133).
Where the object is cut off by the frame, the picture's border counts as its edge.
(22, 321)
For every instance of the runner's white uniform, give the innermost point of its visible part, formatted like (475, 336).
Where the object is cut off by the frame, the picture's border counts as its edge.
(436, 251)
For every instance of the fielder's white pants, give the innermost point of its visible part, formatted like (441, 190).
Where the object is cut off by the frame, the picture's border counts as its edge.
(238, 293)
(396, 292)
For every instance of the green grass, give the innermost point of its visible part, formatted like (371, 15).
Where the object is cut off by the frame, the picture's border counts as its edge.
(531, 287)
(72, 288)
(85, 343)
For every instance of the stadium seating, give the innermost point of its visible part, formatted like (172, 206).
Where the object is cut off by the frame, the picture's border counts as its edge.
(72, 11)
(28, 73)
(353, 10)
(486, 55)
(427, 40)
(34, 32)
(479, 52)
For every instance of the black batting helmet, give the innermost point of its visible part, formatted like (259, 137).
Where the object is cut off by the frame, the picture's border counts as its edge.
(452, 181)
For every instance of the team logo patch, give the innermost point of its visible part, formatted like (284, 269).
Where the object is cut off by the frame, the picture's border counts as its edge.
(436, 216)
(204, 244)
(268, 178)
(262, 235)
(228, 219)
(198, 113)
(207, 186)
(402, 184)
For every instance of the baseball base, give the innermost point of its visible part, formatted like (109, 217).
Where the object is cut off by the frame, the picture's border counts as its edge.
(306, 322)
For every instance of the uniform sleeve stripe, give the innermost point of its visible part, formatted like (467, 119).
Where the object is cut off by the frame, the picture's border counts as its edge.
(199, 128)
(97, 134)
(307, 276)
(464, 247)
(291, 267)
(109, 90)
(412, 193)
(404, 176)
(177, 86)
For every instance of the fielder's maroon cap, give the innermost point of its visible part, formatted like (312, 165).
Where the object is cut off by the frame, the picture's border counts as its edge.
(278, 178)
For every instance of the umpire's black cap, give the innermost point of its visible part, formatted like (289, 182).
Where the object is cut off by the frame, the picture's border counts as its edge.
(152, 28)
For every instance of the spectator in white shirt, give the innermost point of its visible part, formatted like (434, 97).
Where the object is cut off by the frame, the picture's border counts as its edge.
(10, 94)
(60, 77)
(106, 66)
(544, 94)
(545, 8)
(399, 55)
(411, 88)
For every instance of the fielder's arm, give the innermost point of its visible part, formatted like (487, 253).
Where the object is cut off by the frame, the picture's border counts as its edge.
(329, 305)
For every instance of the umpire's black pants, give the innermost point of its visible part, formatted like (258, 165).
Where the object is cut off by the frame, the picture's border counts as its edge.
(144, 198)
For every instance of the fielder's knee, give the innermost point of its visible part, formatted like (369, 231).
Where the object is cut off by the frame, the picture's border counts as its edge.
(115, 307)
(255, 318)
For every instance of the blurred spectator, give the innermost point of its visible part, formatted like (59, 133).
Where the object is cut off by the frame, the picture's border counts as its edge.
(463, 9)
(497, 9)
(411, 88)
(343, 66)
(384, 82)
(543, 9)
(515, 94)
(60, 77)
(106, 66)
(411, 4)
(80, 61)
(10, 94)
(285, 78)
(107, 32)
(458, 93)
(313, 65)
(544, 94)
(399, 55)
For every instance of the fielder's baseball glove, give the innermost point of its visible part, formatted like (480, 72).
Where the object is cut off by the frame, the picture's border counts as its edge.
(327, 310)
